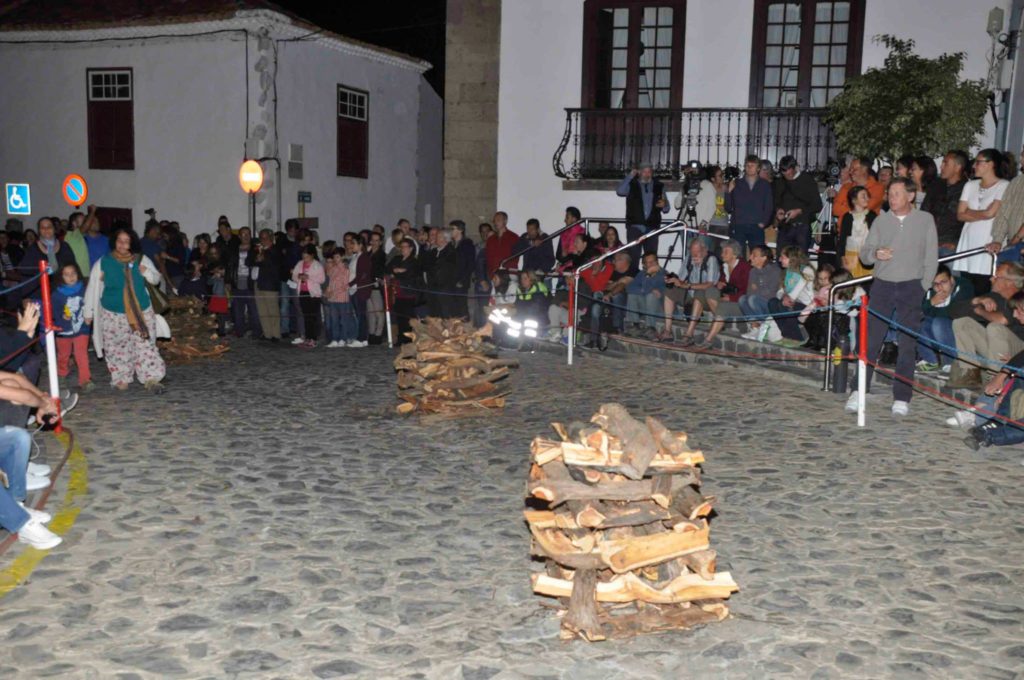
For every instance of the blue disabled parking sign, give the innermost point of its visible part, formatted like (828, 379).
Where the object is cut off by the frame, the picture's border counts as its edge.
(19, 200)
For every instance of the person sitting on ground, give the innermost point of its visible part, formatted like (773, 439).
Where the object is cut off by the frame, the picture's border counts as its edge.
(697, 282)
(504, 290)
(763, 284)
(797, 292)
(983, 327)
(609, 238)
(593, 281)
(609, 309)
(309, 276)
(15, 445)
(853, 230)
(532, 299)
(118, 308)
(195, 284)
(644, 296)
(73, 335)
(937, 326)
(567, 239)
(814, 316)
(732, 286)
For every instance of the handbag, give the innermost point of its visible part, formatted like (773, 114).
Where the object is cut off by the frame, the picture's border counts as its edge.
(156, 296)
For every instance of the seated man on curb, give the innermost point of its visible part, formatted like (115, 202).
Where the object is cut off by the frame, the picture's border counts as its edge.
(732, 286)
(15, 444)
(937, 326)
(985, 327)
(644, 296)
(698, 280)
(608, 305)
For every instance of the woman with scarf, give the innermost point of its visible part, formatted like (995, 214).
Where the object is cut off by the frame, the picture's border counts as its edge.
(117, 306)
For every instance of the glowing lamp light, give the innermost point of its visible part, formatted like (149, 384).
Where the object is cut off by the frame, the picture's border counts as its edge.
(250, 176)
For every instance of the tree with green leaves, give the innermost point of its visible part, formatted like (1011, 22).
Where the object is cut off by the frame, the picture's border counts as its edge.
(911, 105)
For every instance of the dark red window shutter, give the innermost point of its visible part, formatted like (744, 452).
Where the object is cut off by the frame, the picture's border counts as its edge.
(111, 127)
(353, 147)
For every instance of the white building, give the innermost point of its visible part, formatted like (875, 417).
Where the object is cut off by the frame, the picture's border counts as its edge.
(712, 64)
(157, 104)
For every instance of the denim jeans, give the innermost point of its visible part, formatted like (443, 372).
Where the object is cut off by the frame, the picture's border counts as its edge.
(789, 321)
(747, 235)
(1010, 254)
(901, 301)
(244, 313)
(754, 305)
(15, 443)
(617, 311)
(288, 321)
(341, 322)
(644, 309)
(359, 309)
(938, 329)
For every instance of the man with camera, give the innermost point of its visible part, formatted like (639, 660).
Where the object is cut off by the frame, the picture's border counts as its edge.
(697, 281)
(749, 201)
(645, 204)
(797, 202)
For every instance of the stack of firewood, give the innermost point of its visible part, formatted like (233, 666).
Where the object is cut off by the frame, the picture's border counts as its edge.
(449, 368)
(193, 332)
(616, 512)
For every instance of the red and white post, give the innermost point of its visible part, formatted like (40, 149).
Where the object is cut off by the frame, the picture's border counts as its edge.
(573, 287)
(862, 361)
(51, 343)
(387, 310)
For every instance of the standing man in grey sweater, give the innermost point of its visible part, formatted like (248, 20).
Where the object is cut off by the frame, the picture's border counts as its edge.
(903, 246)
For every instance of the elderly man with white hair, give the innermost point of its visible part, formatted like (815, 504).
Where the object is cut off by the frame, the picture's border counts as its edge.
(697, 280)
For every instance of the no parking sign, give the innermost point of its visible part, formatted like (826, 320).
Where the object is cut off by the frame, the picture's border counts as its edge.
(75, 190)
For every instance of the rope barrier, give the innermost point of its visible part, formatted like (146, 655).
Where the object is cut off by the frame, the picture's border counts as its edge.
(22, 284)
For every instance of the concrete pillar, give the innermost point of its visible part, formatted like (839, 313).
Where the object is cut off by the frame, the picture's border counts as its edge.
(472, 55)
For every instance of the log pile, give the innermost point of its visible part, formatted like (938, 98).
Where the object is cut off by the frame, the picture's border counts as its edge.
(616, 512)
(193, 332)
(450, 369)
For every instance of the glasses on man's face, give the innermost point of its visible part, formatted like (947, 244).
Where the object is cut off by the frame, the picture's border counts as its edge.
(982, 160)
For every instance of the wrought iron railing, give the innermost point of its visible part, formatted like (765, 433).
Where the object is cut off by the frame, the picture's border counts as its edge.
(606, 143)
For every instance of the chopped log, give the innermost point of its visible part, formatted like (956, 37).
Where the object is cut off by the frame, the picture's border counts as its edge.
(637, 441)
(659, 618)
(623, 555)
(690, 503)
(557, 546)
(610, 460)
(701, 563)
(629, 588)
(582, 616)
(669, 442)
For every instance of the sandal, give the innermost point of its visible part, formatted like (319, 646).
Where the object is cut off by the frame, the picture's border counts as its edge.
(663, 335)
(686, 341)
(121, 386)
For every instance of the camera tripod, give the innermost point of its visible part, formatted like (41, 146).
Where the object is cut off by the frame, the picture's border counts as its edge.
(687, 214)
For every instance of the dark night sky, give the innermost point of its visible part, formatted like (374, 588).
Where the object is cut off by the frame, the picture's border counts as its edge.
(416, 27)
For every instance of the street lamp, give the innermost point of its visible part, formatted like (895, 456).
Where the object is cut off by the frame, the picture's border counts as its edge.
(250, 176)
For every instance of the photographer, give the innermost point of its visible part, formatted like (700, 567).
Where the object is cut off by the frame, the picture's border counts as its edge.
(797, 202)
(645, 204)
(707, 206)
(750, 203)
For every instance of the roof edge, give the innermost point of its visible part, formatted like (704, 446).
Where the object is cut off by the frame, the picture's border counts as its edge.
(281, 27)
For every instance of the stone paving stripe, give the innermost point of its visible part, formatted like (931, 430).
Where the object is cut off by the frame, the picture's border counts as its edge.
(63, 519)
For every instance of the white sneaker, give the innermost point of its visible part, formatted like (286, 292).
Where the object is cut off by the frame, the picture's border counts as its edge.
(38, 515)
(332, 344)
(773, 334)
(900, 408)
(751, 334)
(358, 343)
(68, 401)
(851, 403)
(963, 419)
(38, 536)
(39, 469)
(34, 483)
(298, 341)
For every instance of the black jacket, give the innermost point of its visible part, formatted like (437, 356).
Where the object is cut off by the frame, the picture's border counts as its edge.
(635, 205)
(29, 267)
(410, 280)
(269, 277)
(465, 259)
(445, 268)
(846, 230)
(942, 200)
(800, 192)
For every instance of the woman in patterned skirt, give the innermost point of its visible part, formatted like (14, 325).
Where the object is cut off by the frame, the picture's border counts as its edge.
(118, 305)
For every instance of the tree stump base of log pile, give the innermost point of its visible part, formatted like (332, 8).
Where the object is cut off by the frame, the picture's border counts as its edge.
(450, 370)
(193, 332)
(616, 513)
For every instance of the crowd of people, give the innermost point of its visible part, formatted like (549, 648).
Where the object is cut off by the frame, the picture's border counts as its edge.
(753, 259)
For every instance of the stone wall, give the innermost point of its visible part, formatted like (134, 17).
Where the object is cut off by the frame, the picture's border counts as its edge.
(471, 111)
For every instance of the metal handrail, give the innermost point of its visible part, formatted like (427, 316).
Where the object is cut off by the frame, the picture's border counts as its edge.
(585, 221)
(863, 279)
(574, 292)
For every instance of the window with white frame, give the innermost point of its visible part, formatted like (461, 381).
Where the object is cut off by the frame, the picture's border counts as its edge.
(115, 85)
(111, 118)
(353, 132)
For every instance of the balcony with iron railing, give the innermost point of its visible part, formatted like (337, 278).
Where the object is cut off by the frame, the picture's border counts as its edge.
(603, 144)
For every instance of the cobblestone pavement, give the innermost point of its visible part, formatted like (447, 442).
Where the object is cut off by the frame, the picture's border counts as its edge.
(269, 517)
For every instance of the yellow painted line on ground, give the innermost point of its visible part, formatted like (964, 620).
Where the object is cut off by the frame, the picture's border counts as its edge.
(78, 485)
